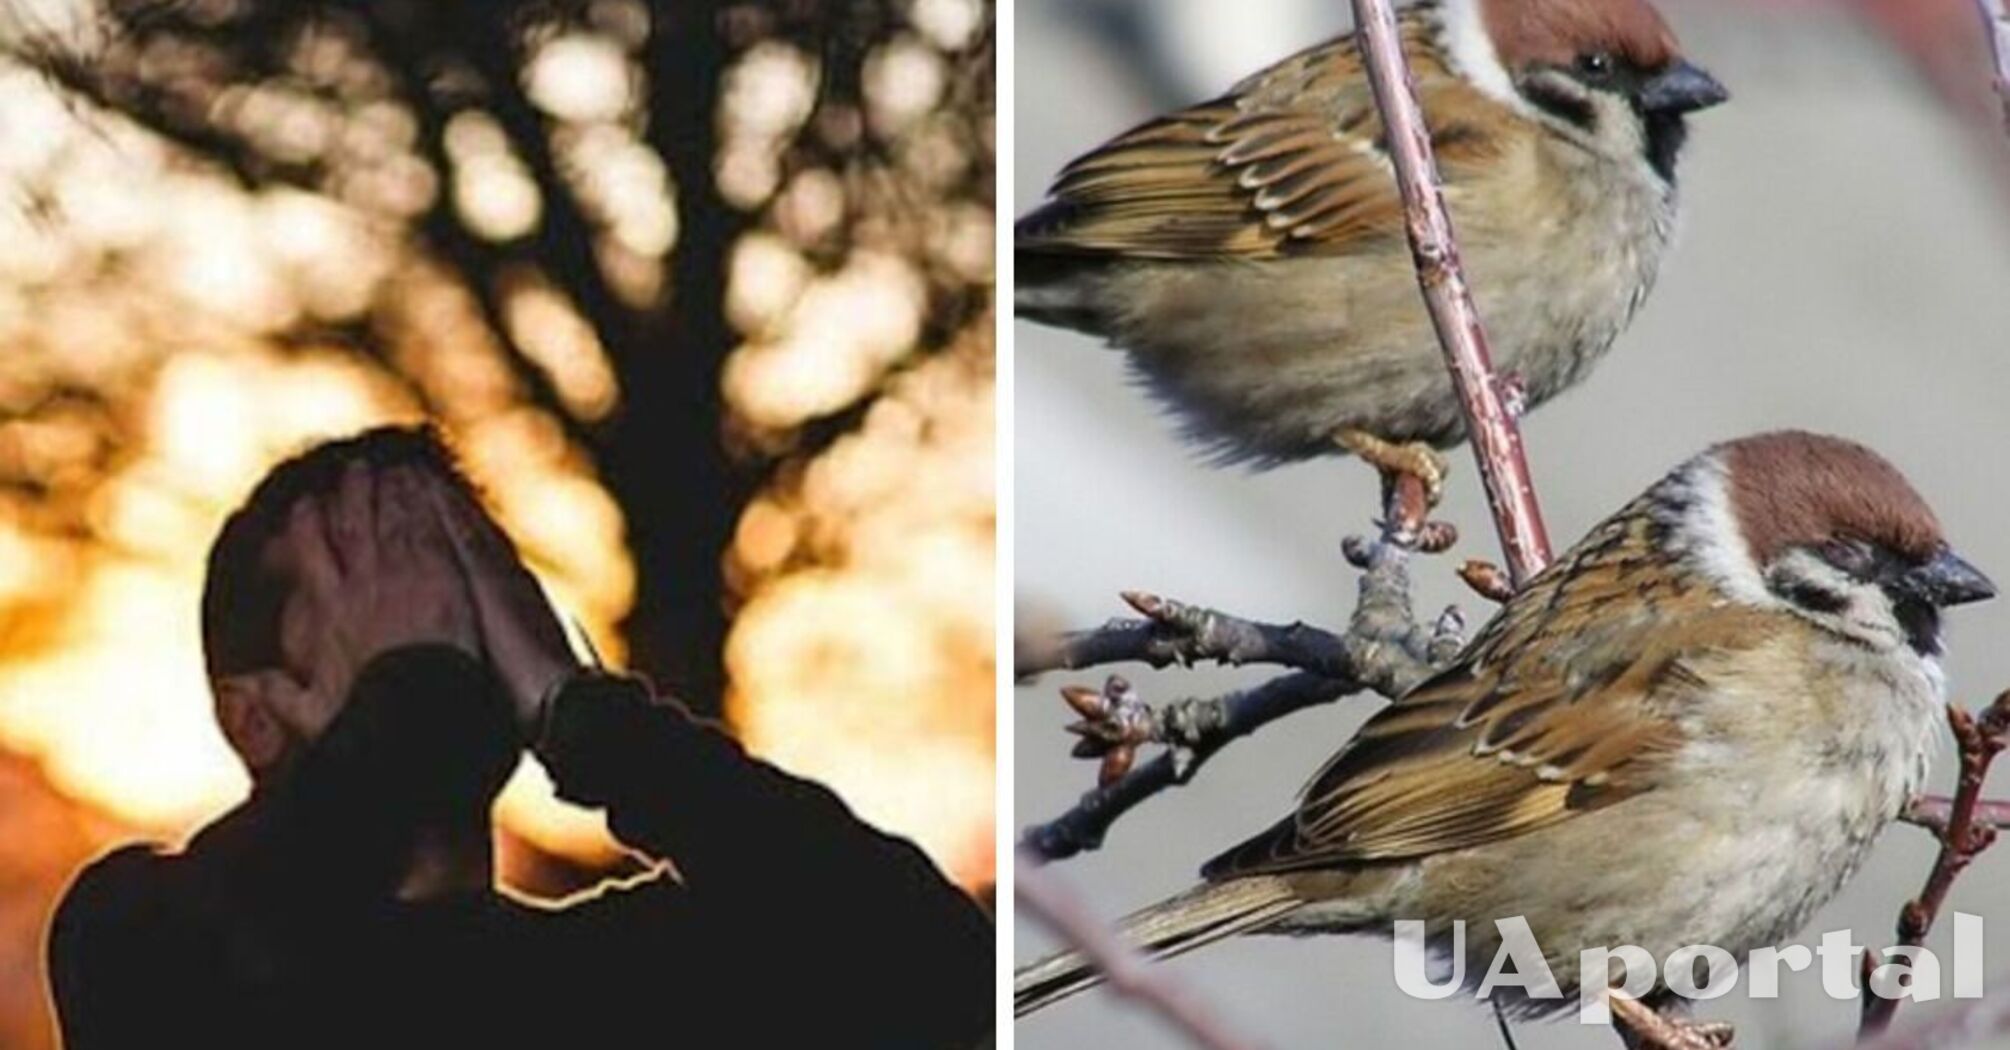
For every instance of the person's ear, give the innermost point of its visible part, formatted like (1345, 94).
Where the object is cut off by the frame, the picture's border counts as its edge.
(248, 723)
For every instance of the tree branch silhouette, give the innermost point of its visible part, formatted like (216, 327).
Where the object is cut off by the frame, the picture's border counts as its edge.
(667, 453)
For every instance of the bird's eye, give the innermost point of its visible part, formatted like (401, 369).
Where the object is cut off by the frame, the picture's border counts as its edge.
(1851, 555)
(1595, 63)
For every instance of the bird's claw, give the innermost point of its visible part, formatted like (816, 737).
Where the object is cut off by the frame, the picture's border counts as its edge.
(1646, 1028)
(1412, 458)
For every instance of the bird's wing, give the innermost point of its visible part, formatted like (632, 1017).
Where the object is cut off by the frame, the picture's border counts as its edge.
(1293, 161)
(1570, 700)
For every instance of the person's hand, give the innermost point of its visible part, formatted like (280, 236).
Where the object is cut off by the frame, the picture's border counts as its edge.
(371, 570)
(520, 634)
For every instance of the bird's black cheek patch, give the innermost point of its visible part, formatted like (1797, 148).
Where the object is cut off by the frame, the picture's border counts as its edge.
(1560, 103)
(1921, 623)
(1812, 596)
(1666, 134)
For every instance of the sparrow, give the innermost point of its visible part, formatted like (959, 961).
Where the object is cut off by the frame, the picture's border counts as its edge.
(1249, 253)
(1688, 730)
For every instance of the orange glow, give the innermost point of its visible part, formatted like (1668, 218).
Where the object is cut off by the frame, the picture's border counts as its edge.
(581, 77)
(838, 339)
(553, 334)
(865, 659)
(99, 638)
(114, 702)
(215, 331)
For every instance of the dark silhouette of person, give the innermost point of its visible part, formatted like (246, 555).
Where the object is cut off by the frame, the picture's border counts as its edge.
(379, 658)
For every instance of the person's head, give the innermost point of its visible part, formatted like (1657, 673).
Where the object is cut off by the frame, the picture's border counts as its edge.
(246, 589)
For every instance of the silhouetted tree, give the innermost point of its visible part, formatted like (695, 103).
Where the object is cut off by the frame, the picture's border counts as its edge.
(401, 108)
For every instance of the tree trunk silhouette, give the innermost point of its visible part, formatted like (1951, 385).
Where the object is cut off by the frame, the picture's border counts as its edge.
(665, 457)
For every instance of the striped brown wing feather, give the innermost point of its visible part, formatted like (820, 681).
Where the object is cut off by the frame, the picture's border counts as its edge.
(1564, 704)
(1291, 162)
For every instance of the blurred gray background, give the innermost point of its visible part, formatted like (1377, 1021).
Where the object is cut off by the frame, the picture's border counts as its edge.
(1845, 267)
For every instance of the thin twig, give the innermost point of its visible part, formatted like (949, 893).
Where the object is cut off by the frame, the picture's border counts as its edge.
(1493, 430)
(1173, 632)
(1966, 824)
(1084, 825)
(1501, 1023)
(1045, 897)
(1962, 838)
(1386, 651)
(1932, 812)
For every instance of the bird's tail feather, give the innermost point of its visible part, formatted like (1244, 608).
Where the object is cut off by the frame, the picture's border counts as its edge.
(1051, 288)
(1200, 916)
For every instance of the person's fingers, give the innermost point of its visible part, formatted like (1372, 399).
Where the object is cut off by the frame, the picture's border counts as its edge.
(425, 527)
(481, 530)
(504, 591)
(311, 644)
(297, 710)
(434, 576)
(455, 531)
(455, 528)
(397, 518)
(484, 550)
(301, 552)
(352, 522)
(512, 578)
(520, 634)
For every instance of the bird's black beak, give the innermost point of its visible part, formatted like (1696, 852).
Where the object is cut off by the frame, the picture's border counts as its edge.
(1948, 580)
(1681, 88)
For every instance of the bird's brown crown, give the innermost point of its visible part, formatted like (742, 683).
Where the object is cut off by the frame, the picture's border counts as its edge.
(1793, 488)
(1556, 32)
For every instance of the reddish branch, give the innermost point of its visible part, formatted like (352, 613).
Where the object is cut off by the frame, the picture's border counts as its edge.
(1493, 430)
(1964, 832)
(1933, 811)
(1966, 824)
(1043, 896)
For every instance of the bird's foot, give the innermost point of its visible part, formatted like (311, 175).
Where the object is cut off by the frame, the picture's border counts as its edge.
(1412, 458)
(1644, 1028)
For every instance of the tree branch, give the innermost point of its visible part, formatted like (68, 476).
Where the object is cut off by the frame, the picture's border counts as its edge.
(1174, 632)
(1493, 430)
(480, 262)
(1385, 650)
(1966, 825)
(1933, 811)
(1962, 838)
(1217, 722)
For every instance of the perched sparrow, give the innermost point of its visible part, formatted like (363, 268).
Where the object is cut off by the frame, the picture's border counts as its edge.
(1250, 255)
(1689, 730)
